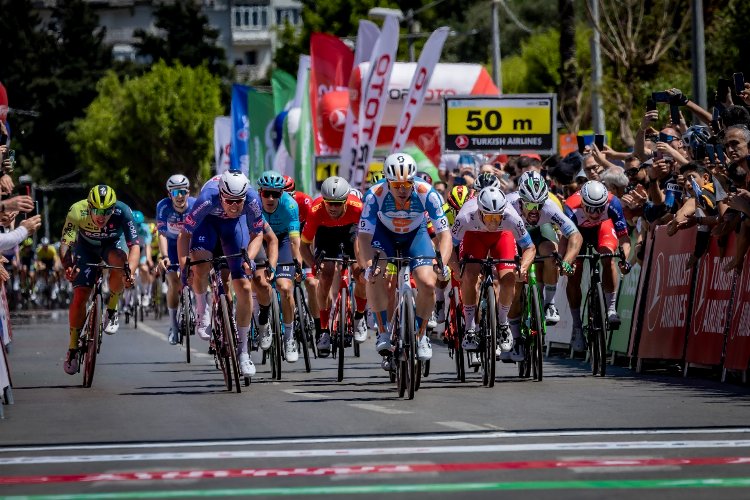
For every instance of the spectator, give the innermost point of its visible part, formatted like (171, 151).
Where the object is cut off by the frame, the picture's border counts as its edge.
(615, 180)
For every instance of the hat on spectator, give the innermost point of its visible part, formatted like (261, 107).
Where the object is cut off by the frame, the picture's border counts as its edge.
(566, 169)
(533, 156)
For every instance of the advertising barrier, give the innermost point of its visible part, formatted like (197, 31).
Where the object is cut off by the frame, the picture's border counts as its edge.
(738, 340)
(625, 308)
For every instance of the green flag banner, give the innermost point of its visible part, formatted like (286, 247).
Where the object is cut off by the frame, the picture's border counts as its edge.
(284, 87)
(303, 157)
(261, 115)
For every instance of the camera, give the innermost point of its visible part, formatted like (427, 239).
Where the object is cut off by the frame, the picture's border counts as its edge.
(739, 82)
(660, 96)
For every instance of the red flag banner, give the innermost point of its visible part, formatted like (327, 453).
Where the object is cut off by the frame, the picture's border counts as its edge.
(738, 342)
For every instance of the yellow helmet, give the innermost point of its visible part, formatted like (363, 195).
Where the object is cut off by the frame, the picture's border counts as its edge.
(457, 197)
(102, 197)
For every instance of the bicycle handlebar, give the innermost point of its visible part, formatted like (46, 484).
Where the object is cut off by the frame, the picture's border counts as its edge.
(221, 259)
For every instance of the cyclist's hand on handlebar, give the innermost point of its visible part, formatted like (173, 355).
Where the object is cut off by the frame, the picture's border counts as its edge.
(443, 274)
(624, 266)
(164, 263)
(71, 273)
(522, 275)
(370, 275)
(129, 280)
(249, 268)
(567, 269)
(270, 273)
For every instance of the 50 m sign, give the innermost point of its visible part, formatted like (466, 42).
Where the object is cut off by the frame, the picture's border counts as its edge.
(509, 124)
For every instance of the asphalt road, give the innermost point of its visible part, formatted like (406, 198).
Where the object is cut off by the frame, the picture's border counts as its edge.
(153, 426)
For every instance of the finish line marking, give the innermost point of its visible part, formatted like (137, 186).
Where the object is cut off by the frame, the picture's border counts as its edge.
(361, 470)
(379, 439)
(363, 452)
(735, 482)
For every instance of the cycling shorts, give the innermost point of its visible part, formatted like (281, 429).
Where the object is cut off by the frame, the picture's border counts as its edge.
(330, 239)
(499, 245)
(233, 235)
(285, 257)
(89, 255)
(600, 236)
(414, 244)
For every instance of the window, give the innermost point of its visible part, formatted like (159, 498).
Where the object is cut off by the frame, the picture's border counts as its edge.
(291, 16)
(251, 58)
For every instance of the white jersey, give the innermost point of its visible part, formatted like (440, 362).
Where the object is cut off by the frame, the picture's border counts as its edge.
(469, 219)
(549, 213)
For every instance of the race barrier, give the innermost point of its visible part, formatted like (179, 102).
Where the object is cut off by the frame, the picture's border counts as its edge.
(6, 394)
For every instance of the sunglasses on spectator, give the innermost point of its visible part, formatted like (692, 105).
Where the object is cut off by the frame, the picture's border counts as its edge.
(632, 171)
(652, 138)
(179, 192)
(233, 201)
(492, 218)
(271, 194)
(400, 184)
(102, 211)
(531, 206)
(668, 138)
(593, 210)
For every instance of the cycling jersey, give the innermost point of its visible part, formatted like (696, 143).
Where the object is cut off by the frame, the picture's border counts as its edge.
(469, 221)
(285, 219)
(330, 233)
(169, 223)
(549, 213)
(46, 254)
(80, 228)
(304, 203)
(209, 203)
(381, 206)
(613, 210)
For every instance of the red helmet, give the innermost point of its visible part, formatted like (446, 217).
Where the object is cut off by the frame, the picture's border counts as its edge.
(288, 184)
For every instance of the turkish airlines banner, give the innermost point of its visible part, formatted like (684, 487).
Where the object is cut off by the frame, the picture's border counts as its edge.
(367, 36)
(738, 341)
(711, 306)
(428, 59)
(667, 299)
(375, 97)
(330, 66)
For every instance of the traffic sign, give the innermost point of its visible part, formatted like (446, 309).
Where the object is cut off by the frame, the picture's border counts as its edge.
(327, 166)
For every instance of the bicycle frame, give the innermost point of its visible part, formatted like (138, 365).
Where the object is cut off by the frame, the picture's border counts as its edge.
(342, 320)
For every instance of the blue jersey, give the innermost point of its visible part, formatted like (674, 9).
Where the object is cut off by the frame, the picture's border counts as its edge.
(285, 219)
(169, 221)
(209, 203)
(144, 234)
(380, 205)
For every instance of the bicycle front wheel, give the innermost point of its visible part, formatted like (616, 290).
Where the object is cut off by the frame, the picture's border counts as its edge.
(491, 337)
(229, 338)
(601, 331)
(277, 345)
(300, 324)
(188, 321)
(535, 346)
(93, 334)
(342, 330)
(408, 337)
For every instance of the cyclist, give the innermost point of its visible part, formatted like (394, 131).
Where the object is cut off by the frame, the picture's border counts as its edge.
(170, 217)
(93, 231)
(47, 264)
(26, 259)
(227, 209)
(282, 214)
(333, 220)
(144, 276)
(486, 225)
(394, 217)
(598, 215)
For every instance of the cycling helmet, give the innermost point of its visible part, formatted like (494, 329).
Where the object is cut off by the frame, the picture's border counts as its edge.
(289, 186)
(491, 201)
(138, 217)
(271, 180)
(532, 188)
(400, 167)
(44, 241)
(425, 177)
(356, 192)
(102, 197)
(335, 189)
(458, 197)
(594, 194)
(233, 183)
(178, 181)
(486, 179)
(376, 175)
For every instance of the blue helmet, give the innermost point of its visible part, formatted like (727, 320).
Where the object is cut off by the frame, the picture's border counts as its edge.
(271, 180)
(138, 217)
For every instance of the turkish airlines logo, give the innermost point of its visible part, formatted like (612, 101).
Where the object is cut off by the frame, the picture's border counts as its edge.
(337, 119)
(654, 306)
(462, 142)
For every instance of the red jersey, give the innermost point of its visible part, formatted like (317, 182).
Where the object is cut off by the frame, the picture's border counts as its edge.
(318, 217)
(304, 202)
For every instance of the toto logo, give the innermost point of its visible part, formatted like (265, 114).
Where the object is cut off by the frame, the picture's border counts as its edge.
(462, 142)
(654, 307)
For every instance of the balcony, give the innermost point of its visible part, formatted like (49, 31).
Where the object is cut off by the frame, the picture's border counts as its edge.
(251, 23)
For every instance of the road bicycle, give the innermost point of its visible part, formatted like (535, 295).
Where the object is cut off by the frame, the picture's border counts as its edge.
(453, 333)
(304, 325)
(275, 353)
(186, 317)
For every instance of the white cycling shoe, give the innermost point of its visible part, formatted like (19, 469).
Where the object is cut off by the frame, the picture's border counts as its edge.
(290, 351)
(246, 365)
(360, 332)
(265, 337)
(424, 349)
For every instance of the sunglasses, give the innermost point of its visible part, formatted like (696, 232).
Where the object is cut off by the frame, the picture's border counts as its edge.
(233, 201)
(652, 138)
(531, 206)
(668, 138)
(336, 203)
(102, 211)
(632, 171)
(271, 194)
(495, 218)
(400, 184)
(179, 192)
(593, 210)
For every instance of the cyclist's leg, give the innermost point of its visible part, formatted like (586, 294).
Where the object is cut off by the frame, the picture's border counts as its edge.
(608, 244)
(115, 254)
(284, 276)
(475, 245)
(505, 248)
(77, 311)
(382, 241)
(424, 277)
(173, 285)
(263, 292)
(202, 244)
(573, 291)
(325, 275)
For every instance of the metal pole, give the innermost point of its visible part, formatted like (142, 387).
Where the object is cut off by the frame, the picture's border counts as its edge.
(497, 73)
(46, 215)
(699, 54)
(597, 112)
(410, 39)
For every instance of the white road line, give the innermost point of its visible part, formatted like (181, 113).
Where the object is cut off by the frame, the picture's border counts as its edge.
(625, 467)
(380, 439)
(379, 409)
(162, 336)
(362, 452)
(305, 394)
(462, 426)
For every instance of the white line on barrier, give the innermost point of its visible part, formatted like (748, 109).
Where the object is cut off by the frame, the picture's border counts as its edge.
(360, 452)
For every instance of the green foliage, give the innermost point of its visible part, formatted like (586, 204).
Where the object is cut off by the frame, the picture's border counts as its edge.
(140, 131)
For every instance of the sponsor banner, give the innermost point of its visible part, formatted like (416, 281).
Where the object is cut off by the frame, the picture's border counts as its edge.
(428, 59)
(711, 306)
(738, 341)
(304, 148)
(637, 320)
(261, 150)
(284, 87)
(222, 143)
(510, 124)
(367, 35)
(375, 92)
(561, 332)
(667, 298)
(240, 128)
(327, 166)
(625, 308)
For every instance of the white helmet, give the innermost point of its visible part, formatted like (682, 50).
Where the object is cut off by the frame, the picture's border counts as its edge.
(233, 183)
(491, 201)
(400, 167)
(532, 188)
(178, 181)
(356, 192)
(594, 194)
(335, 189)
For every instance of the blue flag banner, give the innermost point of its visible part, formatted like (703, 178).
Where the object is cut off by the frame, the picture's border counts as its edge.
(240, 129)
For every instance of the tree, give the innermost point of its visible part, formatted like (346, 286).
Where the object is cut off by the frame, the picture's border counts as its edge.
(139, 131)
(568, 94)
(184, 36)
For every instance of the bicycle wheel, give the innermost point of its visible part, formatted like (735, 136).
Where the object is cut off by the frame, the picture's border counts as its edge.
(593, 335)
(342, 331)
(276, 327)
(136, 311)
(188, 328)
(408, 332)
(602, 328)
(299, 327)
(491, 337)
(93, 334)
(536, 339)
(459, 338)
(230, 341)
